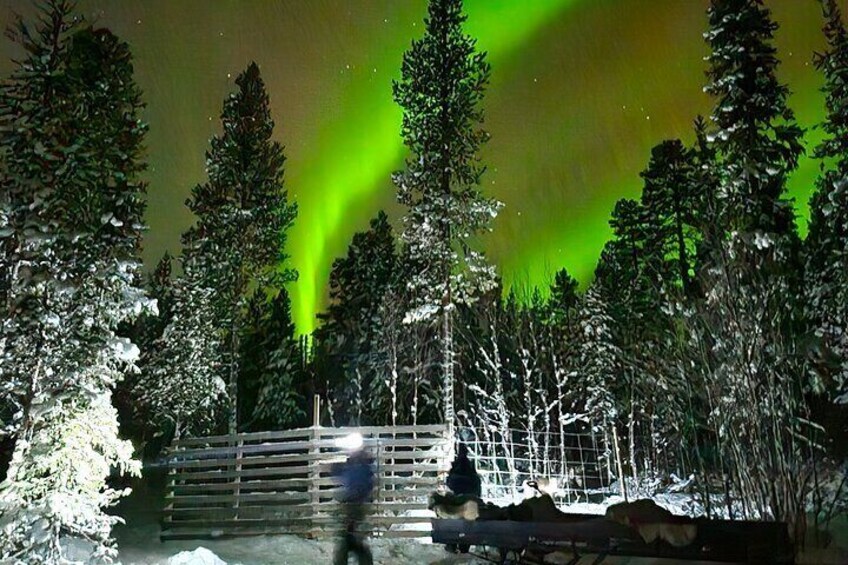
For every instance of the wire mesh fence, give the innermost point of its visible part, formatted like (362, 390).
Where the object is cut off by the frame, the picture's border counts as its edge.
(574, 466)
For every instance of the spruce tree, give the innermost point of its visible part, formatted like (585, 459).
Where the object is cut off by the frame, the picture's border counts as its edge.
(279, 396)
(749, 320)
(629, 281)
(600, 359)
(628, 275)
(564, 296)
(826, 246)
(628, 266)
(756, 138)
(253, 355)
(71, 135)
(677, 197)
(705, 193)
(136, 423)
(179, 389)
(160, 285)
(243, 214)
(672, 209)
(443, 78)
(358, 285)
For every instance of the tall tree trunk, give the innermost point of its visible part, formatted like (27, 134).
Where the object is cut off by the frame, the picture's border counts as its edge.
(416, 368)
(232, 384)
(563, 468)
(447, 306)
(631, 428)
(357, 384)
(683, 260)
(394, 383)
(447, 358)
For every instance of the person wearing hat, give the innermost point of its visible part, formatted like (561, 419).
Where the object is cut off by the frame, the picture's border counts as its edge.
(356, 477)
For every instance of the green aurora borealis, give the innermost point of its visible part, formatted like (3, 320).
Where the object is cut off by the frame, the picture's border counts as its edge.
(581, 90)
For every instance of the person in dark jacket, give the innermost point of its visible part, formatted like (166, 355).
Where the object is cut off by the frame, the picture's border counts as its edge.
(356, 476)
(463, 477)
(463, 480)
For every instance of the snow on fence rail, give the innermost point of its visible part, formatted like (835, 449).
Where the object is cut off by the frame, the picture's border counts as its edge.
(281, 482)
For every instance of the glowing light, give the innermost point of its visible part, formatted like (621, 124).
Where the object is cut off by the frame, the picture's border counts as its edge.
(573, 84)
(351, 442)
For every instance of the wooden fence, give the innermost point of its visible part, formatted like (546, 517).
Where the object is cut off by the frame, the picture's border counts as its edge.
(281, 482)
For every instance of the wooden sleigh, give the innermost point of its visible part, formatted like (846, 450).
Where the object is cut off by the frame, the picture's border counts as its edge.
(573, 536)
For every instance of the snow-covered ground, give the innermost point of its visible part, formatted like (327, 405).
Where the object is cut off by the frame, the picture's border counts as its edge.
(141, 546)
(138, 542)
(268, 550)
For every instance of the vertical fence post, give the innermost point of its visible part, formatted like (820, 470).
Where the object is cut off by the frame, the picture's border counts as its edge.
(238, 443)
(447, 456)
(381, 473)
(314, 464)
(584, 482)
(621, 477)
(171, 489)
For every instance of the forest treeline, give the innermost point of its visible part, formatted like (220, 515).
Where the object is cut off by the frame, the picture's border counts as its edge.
(712, 337)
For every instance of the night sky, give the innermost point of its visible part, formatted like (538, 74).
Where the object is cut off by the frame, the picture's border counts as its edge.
(581, 90)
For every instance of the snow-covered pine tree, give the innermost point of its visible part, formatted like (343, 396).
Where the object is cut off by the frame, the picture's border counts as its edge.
(628, 281)
(443, 78)
(148, 328)
(705, 193)
(421, 364)
(279, 402)
(562, 335)
(599, 359)
(826, 246)
(674, 200)
(749, 321)
(243, 214)
(756, 138)
(358, 284)
(6, 246)
(7, 252)
(71, 135)
(161, 284)
(180, 389)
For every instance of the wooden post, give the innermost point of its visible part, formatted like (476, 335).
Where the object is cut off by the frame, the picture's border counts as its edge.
(381, 487)
(314, 463)
(316, 410)
(239, 443)
(170, 490)
(621, 477)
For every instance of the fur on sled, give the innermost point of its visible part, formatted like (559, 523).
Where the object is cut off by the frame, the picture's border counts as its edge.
(654, 522)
